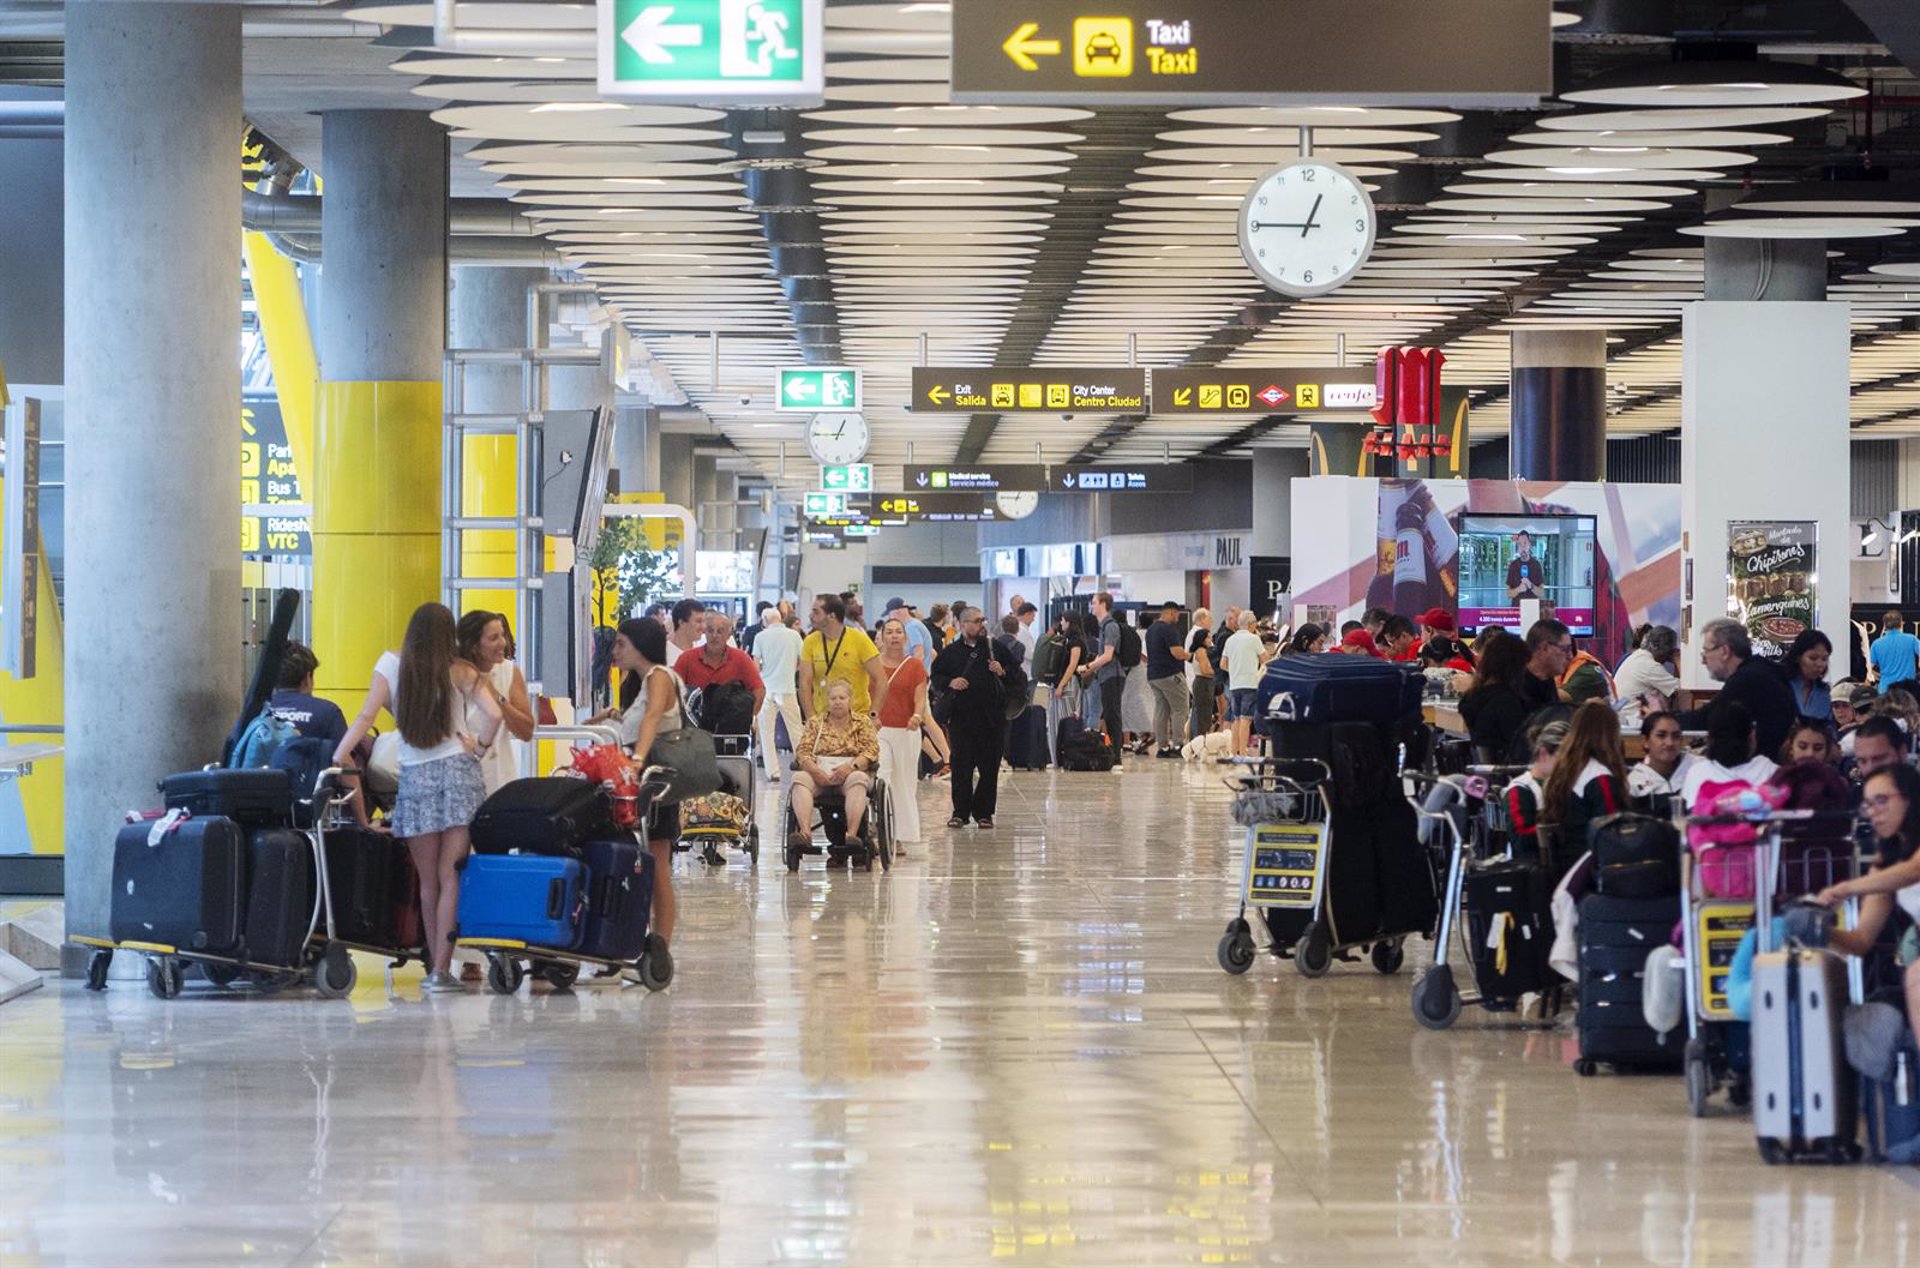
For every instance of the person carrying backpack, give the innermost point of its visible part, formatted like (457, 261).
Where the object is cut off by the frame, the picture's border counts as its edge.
(1105, 673)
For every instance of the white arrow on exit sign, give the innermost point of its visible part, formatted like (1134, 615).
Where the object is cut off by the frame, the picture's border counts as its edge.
(651, 35)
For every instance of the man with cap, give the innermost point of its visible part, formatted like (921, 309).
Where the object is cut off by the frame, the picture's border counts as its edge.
(1439, 642)
(1359, 643)
(1852, 706)
(919, 643)
(1166, 653)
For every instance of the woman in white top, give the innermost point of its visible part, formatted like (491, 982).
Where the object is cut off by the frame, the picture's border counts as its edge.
(1647, 669)
(486, 643)
(650, 696)
(429, 691)
(1731, 739)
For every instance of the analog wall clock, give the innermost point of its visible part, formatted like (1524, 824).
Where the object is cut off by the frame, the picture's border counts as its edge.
(1307, 227)
(1017, 506)
(835, 440)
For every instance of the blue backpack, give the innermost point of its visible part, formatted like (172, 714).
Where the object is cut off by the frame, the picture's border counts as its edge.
(261, 740)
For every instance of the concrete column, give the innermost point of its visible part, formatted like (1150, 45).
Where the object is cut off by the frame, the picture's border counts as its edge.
(1274, 471)
(1764, 436)
(382, 340)
(32, 305)
(1559, 405)
(676, 468)
(153, 397)
(636, 449)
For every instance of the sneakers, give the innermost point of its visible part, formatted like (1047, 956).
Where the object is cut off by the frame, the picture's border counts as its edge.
(1168, 752)
(441, 982)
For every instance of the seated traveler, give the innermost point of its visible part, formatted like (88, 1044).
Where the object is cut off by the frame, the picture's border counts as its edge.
(836, 751)
(1732, 755)
(1589, 780)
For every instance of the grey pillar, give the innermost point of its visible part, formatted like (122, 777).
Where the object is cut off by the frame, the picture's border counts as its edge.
(1746, 270)
(676, 468)
(383, 311)
(1558, 405)
(489, 310)
(153, 399)
(32, 307)
(636, 449)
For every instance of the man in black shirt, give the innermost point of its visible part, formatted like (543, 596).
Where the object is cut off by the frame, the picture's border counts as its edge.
(1549, 652)
(294, 701)
(1727, 652)
(977, 671)
(1525, 578)
(1167, 680)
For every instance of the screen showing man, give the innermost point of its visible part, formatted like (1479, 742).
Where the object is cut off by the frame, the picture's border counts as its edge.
(1508, 559)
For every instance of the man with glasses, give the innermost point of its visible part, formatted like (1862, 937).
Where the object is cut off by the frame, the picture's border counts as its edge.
(978, 671)
(1549, 652)
(1727, 653)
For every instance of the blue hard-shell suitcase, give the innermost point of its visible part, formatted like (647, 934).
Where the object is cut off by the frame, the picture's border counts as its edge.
(533, 898)
(619, 900)
(1335, 687)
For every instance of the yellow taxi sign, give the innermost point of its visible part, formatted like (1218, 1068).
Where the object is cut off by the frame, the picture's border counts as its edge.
(1102, 47)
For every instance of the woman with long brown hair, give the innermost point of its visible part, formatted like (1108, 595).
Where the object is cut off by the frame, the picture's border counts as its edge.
(429, 690)
(486, 642)
(1589, 779)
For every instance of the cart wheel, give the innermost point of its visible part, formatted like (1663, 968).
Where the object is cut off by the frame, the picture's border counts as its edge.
(1312, 956)
(1388, 957)
(656, 964)
(165, 976)
(504, 974)
(753, 844)
(1772, 1152)
(792, 857)
(883, 845)
(1436, 1002)
(97, 965)
(1699, 1078)
(1235, 951)
(559, 976)
(335, 975)
(221, 975)
(1586, 1069)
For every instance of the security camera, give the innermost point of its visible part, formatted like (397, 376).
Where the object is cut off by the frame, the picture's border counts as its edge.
(746, 400)
(1066, 418)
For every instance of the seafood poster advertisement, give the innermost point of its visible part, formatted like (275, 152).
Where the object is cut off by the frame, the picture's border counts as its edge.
(1771, 566)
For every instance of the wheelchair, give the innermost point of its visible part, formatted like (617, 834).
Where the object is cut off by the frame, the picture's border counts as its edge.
(830, 826)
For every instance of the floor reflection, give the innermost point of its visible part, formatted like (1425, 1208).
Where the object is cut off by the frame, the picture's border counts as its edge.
(1016, 1046)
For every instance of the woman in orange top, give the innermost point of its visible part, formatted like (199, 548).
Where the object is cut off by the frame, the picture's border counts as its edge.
(903, 708)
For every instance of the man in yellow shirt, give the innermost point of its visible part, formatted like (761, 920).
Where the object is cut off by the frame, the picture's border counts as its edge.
(836, 650)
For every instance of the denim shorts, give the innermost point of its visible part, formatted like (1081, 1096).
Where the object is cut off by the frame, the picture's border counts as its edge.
(1240, 703)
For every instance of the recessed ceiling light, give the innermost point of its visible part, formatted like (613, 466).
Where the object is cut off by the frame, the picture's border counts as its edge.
(1716, 83)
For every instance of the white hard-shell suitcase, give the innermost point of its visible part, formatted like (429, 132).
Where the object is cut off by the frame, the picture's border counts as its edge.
(1805, 1106)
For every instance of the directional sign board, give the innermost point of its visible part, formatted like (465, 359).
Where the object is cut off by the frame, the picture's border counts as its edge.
(821, 504)
(862, 530)
(997, 478)
(1040, 390)
(719, 52)
(1167, 478)
(854, 478)
(810, 389)
(938, 507)
(1252, 390)
(1481, 53)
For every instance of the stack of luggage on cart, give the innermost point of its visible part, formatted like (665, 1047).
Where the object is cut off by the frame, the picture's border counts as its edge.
(555, 884)
(251, 869)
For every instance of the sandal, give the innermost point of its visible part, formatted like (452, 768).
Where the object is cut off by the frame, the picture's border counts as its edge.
(956, 822)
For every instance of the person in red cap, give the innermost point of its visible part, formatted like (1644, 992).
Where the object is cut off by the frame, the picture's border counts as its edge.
(1440, 642)
(1359, 643)
(1435, 621)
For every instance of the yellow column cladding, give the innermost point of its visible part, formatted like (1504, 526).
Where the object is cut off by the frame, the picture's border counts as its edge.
(376, 525)
(488, 472)
(38, 701)
(283, 323)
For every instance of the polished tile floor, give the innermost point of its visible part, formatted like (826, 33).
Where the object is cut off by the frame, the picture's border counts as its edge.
(1015, 1047)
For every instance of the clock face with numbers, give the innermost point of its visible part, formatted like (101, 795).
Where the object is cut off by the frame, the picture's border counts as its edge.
(1017, 505)
(836, 440)
(1307, 227)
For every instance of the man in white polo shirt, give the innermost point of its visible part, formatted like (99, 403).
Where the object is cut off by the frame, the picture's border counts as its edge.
(777, 651)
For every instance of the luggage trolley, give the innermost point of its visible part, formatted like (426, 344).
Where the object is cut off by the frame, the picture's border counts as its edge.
(724, 819)
(1797, 853)
(1470, 831)
(1284, 874)
(336, 974)
(509, 960)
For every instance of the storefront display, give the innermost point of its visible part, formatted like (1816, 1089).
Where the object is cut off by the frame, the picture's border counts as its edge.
(1771, 575)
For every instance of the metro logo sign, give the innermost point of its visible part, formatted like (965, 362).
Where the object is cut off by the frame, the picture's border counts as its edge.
(1272, 396)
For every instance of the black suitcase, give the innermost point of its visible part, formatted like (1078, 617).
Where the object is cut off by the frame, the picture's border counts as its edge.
(280, 887)
(258, 798)
(1616, 935)
(1334, 687)
(184, 887)
(1360, 755)
(1027, 740)
(1509, 930)
(553, 815)
(619, 900)
(365, 873)
(1084, 750)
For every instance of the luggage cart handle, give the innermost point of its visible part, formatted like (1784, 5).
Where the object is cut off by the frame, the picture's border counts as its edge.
(598, 734)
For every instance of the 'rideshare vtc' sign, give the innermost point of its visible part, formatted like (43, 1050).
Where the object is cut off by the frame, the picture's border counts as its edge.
(713, 52)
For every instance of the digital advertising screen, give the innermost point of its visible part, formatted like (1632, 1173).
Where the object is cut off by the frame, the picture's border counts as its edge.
(1507, 558)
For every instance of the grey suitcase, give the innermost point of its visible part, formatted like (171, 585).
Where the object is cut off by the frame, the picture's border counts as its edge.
(1804, 1093)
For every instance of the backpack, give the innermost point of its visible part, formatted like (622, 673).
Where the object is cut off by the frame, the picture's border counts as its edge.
(262, 739)
(303, 758)
(1046, 659)
(1128, 652)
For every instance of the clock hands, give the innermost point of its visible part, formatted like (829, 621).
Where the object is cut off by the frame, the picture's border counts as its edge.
(1309, 224)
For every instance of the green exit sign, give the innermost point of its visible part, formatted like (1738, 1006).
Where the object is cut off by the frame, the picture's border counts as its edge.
(720, 52)
(809, 389)
(854, 478)
(823, 504)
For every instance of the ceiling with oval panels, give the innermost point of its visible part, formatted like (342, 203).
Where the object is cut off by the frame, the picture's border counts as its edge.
(1054, 235)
